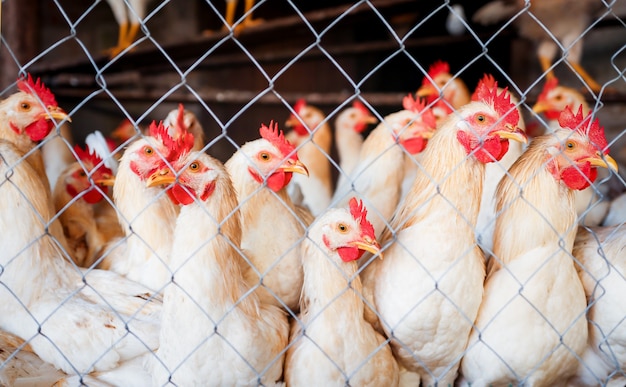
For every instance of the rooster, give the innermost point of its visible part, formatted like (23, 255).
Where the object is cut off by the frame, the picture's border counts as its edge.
(599, 252)
(553, 99)
(261, 170)
(146, 214)
(440, 81)
(78, 321)
(428, 288)
(332, 309)
(214, 331)
(76, 199)
(379, 174)
(531, 325)
(349, 125)
(312, 135)
(551, 24)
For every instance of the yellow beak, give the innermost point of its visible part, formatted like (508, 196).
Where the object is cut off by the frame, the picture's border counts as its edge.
(292, 121)
(106, 181)
(369, 245)
(161, 177)
(56, 113)
(608, 162)
(426, 91)
(295, 166)
(541, 107)
(371, 120)
(512, 133)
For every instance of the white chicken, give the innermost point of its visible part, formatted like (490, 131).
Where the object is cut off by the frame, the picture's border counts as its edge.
(261, 170)
(77, 321)
(340, 347)
(180, 121)
(215, 331)
(378, 176)
(312, 136)
(602, 269)
(531, 326)
(349, 125)
(146, 214)
(428, 288)
(440, 82)
(128, 14)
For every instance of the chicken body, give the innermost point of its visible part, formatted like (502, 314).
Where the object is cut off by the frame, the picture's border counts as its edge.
(147, 217)
(429, 286)
(340, 347)
(602, 269)
(313, 138)
(260, 170)
(45, 300)
(531, 325)
(214, 330)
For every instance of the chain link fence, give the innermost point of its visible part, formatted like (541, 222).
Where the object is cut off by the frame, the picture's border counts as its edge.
(157, 281)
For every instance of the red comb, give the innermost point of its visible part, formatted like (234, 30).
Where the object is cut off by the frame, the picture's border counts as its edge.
(582, 124)
(300, 104)
(419, 106)
(550, 85)
(182, 144)
(487, 83)
(359, 213)
(180, 119)
(276, 137)
(90, 160)
(29, 86)
(501, 103)
(439, 67)
(361, 107)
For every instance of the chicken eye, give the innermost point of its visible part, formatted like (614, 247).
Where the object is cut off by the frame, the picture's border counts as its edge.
(480, 118)
(570, 145)
(195, 166)
(342, 228)
(148, 150)
(82, 174)
(25, 106)
(265, 156)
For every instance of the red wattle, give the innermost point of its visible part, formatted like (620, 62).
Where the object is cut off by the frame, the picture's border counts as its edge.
(39, 129)
(348, 254)
(579, 177)
(414, 145)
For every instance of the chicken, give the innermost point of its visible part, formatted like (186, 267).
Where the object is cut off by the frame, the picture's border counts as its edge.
(79, 191)
(616, 213)
(312, 136)
(531, 325)
(248, 21)
(349, 125)
(26, 118)
(551, 24)
(378, 176)
(340, 347)
(214, 330)
(485, 224)
(591, 204)
(147, 216)
(553, 100)
(428, 288)
(602, 266)
(129, 21)
(440, 81)
(261, 169)
(78, 321)
(181, 121)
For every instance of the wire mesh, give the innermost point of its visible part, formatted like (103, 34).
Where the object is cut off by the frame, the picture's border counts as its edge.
(228, 269)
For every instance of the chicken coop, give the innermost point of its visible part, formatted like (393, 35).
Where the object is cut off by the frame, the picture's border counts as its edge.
(350, 193)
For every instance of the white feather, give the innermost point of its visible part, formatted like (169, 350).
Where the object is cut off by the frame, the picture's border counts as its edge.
(97, 144)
